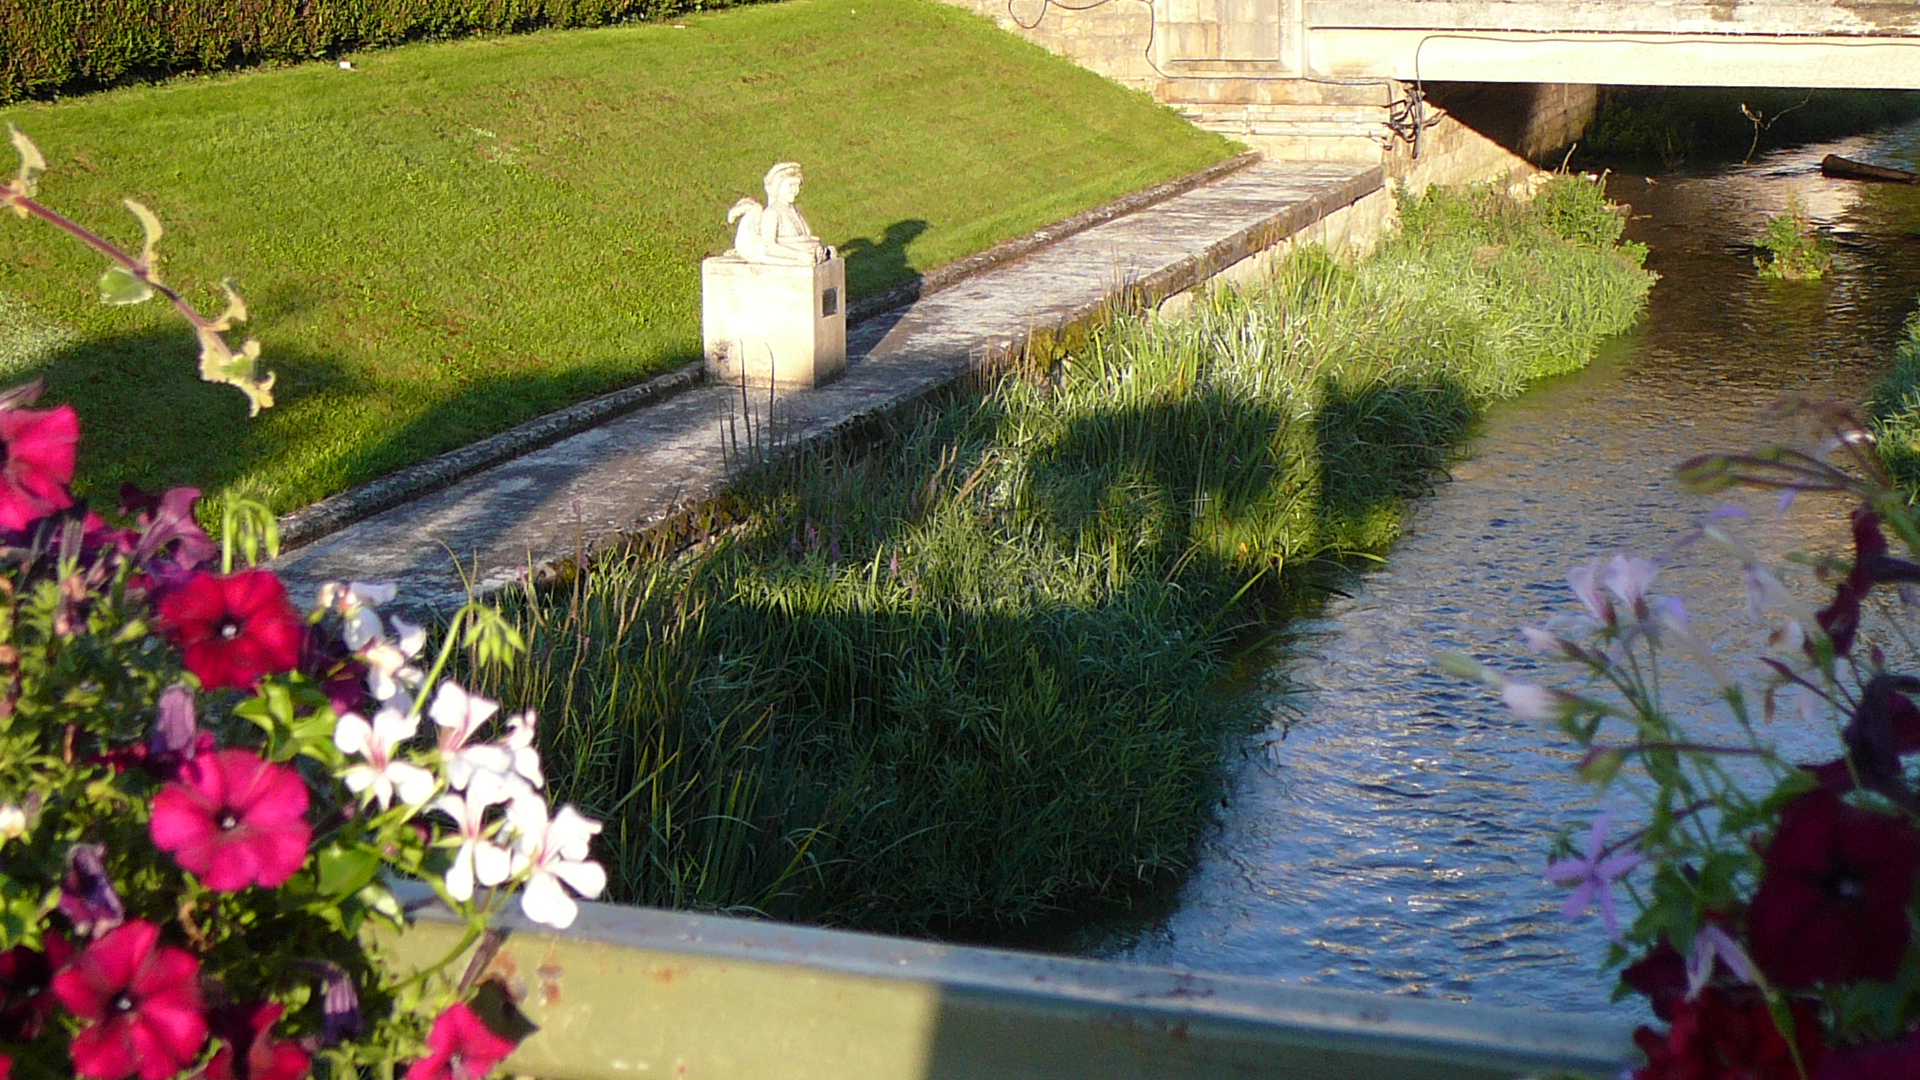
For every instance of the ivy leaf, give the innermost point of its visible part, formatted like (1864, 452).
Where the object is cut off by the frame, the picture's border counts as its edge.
(120, 285)
(151, 225)
(27, 180)
(241, 370)
(236, 310)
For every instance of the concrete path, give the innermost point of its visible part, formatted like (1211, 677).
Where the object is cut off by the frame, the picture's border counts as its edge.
(638, 470)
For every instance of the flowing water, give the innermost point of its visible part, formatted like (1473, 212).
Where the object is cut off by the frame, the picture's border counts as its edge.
(1389, 832)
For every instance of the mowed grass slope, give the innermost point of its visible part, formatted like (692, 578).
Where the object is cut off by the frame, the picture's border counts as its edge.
(456, 237)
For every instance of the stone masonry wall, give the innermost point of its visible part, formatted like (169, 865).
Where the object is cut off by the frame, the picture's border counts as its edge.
(1112, 38)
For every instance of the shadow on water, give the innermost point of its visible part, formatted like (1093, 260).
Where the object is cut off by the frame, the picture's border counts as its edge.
(1394, 840)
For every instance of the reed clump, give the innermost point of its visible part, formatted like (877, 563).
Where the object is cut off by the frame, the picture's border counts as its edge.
(971, 674)
(1896, 411)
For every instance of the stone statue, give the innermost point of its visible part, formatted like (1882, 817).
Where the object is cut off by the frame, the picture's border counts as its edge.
(776, 233)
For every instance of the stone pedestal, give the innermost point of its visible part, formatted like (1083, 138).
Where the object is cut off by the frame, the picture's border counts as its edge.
(769, 324)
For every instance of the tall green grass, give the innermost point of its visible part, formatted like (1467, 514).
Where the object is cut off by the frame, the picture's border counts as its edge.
(1896, 411)
(972, 674)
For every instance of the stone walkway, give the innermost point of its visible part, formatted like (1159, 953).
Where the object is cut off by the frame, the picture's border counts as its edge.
(641, 468)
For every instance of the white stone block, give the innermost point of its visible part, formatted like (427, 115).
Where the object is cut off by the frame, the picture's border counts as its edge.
(774, 324)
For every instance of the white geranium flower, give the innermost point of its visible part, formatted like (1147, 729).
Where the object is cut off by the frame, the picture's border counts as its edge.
(478, 858)
(356, 602)
(553, 855)
(519, 743)
(389, 671)
(382, 773)
(460, 715)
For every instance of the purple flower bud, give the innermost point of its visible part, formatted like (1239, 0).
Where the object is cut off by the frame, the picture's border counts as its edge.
(893, 566)
(87, 897)
(339, 1007)
(175, 732)
(833, 550)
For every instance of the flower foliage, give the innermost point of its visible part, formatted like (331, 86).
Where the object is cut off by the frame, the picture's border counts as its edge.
(202, 837)
(1774, 897)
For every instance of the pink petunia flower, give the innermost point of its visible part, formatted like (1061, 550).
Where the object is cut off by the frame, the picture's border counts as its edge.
(460, 1047)
(234, 628)
(38, 465)
(141, 1004)
(234, 819)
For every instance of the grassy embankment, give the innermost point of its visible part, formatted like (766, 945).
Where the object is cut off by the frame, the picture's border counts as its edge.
(456, 237)
(972, 676)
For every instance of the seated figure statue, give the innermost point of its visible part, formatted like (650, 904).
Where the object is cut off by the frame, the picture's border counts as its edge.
(776, 233)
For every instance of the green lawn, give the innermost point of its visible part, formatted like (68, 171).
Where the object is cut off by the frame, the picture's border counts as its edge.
(457, 237)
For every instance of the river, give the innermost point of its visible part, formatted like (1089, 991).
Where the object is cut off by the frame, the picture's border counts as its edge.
(1388, 831)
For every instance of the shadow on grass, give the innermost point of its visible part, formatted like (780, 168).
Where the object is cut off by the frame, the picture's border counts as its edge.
(874, 265)
(147, 417)
(794, 724)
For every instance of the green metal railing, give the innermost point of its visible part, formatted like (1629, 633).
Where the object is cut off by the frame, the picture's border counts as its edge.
(635, 992)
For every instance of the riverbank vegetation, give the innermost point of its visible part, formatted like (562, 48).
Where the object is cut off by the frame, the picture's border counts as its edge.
(1896, 411)
(452, 238)
(972, 674)
(1792, 248)
(1673, 126)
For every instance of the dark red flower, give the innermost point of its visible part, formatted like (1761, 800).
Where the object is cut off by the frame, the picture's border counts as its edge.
(36, 463)
(460, 1046)
(26, 988)
(1885, 726)
(235, 628)
(1721, 1036)
(1832, 902)
(1661, 976)
(248, 1049)
(1896, 1060)
(141, 1002)
(234, 819)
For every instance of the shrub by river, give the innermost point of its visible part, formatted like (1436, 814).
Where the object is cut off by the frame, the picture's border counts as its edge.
(972, 673)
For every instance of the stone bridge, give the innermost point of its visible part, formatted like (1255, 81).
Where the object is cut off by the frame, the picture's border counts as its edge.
(1358, 79)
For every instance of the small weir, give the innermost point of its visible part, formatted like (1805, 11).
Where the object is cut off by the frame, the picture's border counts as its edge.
(1389, 831)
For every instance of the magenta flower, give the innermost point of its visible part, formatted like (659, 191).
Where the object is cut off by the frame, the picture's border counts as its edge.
(460, 1047)
(233, 629)
(235, 820)
(141, 1003)
(1592, 877)
(1832, 902)
(37, 466)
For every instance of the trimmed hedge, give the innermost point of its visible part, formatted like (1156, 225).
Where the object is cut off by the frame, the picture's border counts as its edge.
(56, 46)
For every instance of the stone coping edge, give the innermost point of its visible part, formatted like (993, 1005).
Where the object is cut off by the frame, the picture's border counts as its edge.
(944, 277)
(335, 512)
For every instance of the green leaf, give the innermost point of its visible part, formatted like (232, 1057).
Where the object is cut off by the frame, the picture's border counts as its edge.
(344, 871)
(220, 364)
(121, 286)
